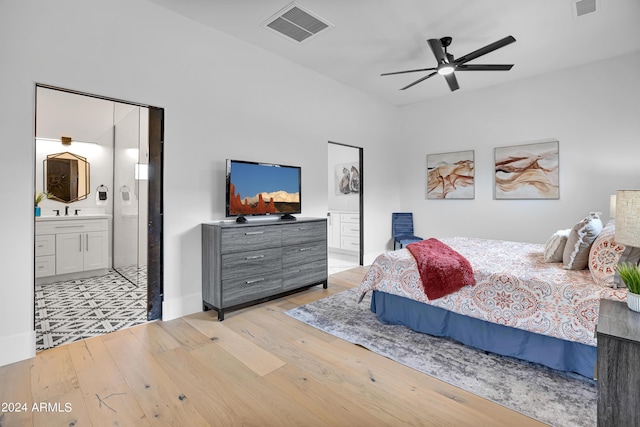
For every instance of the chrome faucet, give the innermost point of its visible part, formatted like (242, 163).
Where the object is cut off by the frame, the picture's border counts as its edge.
(66, 210)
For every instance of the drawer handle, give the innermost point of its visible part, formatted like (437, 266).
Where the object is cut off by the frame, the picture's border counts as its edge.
(354, 229)
(41, 246)
(41, 267)
(249, 233)
(305, 249)
(248, 282)
(254, 257)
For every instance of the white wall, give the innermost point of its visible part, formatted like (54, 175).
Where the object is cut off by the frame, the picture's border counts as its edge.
(593, 113)
(222, 99)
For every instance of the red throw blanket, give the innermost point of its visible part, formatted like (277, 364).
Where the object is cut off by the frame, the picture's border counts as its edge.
(442, 270)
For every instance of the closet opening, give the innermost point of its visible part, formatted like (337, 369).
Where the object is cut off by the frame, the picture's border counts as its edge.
(345, 215)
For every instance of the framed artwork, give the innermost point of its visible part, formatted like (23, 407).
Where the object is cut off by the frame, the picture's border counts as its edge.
(347, 178)
(451, 175)
(528, 171)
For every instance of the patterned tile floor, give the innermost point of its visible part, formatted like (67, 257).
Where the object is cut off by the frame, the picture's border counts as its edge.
(78, 309)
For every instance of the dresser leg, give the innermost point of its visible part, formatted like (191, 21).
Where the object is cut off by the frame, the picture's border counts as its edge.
(220, 315)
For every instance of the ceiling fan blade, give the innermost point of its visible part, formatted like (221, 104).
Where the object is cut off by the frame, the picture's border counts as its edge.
(420, 80)
(452, 81)
(437, 49)
(408, 71)
(485, 67)
(484, 50)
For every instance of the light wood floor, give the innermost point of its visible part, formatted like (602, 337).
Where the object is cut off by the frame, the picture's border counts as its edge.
(257, 368)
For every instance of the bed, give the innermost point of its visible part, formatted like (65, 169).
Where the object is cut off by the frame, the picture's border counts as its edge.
(520, 305)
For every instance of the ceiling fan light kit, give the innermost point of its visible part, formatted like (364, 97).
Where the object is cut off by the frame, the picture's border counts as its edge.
(445, 69)
(447, 64)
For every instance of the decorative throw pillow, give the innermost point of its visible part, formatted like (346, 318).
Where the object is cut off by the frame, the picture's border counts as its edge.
(581, 237)
(554, 248)
(604, 256)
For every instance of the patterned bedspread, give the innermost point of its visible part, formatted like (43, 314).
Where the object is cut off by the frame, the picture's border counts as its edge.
(514, 287)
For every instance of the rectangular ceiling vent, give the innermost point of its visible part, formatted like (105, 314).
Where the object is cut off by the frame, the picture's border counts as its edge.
(583, 7)
(296, 23)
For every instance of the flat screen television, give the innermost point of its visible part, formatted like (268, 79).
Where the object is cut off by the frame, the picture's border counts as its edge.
(262, 189)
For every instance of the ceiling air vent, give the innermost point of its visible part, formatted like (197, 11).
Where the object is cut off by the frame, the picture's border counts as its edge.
(582, 7)
(296, 23)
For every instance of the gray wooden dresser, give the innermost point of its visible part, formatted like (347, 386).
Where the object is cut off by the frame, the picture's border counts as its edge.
(618, 333)
(244, 264)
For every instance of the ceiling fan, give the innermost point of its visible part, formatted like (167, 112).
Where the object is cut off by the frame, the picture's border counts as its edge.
(447, 64)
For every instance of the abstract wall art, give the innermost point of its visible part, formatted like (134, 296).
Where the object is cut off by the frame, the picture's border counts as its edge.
(451, 175)
(528, 171)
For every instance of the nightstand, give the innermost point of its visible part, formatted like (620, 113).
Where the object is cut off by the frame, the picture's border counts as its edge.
(618, 333)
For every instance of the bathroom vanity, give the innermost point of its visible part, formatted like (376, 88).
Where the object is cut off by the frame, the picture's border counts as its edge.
(71, 247)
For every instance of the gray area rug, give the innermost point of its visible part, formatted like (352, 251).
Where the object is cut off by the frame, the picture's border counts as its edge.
(550, 396)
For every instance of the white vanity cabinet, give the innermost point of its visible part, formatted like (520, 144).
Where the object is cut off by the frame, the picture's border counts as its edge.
(344, 231)
(70, 247)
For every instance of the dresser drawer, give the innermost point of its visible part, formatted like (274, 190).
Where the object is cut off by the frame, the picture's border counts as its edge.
(350, 217)
(350, 243)
(350, 229)
(307, 232)
(238, 291)
(45, 244)
(306, 274)
(246, 264)
(45, 266)
(299, 255)
(250, 238)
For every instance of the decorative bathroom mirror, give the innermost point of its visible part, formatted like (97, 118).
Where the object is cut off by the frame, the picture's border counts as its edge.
(66, 177)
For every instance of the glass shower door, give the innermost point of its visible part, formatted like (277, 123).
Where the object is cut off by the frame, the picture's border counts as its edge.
(130, 193)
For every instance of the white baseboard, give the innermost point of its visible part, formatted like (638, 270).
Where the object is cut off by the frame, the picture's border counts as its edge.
(17, 347)
(179, 307)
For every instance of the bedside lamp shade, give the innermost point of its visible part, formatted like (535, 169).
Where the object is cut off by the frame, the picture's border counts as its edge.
(628, 217)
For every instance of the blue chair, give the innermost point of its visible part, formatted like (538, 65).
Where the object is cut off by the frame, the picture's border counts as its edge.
(402, 229)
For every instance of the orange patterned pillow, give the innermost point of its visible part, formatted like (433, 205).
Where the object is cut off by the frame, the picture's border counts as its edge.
(604, 256)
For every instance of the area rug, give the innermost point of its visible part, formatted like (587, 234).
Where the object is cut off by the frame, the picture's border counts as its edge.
(553, 397)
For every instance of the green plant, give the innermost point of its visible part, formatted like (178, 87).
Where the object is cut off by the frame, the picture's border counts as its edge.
(39, 197)
(630, 275)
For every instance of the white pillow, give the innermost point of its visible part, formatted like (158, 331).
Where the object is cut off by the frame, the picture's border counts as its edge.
(554, 248)
(576, 251)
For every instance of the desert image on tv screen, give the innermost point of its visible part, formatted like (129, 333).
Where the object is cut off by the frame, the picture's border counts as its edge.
(259, 189)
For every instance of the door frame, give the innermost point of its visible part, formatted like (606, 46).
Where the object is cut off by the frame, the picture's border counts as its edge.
(155, 206)
(360, 195)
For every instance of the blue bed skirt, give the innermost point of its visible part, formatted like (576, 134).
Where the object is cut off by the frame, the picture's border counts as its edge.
(549, 351)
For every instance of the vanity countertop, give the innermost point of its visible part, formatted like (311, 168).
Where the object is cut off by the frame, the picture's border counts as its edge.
(72, 217)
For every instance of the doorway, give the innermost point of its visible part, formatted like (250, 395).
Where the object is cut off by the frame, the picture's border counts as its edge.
(345, 216)
(121, 144)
